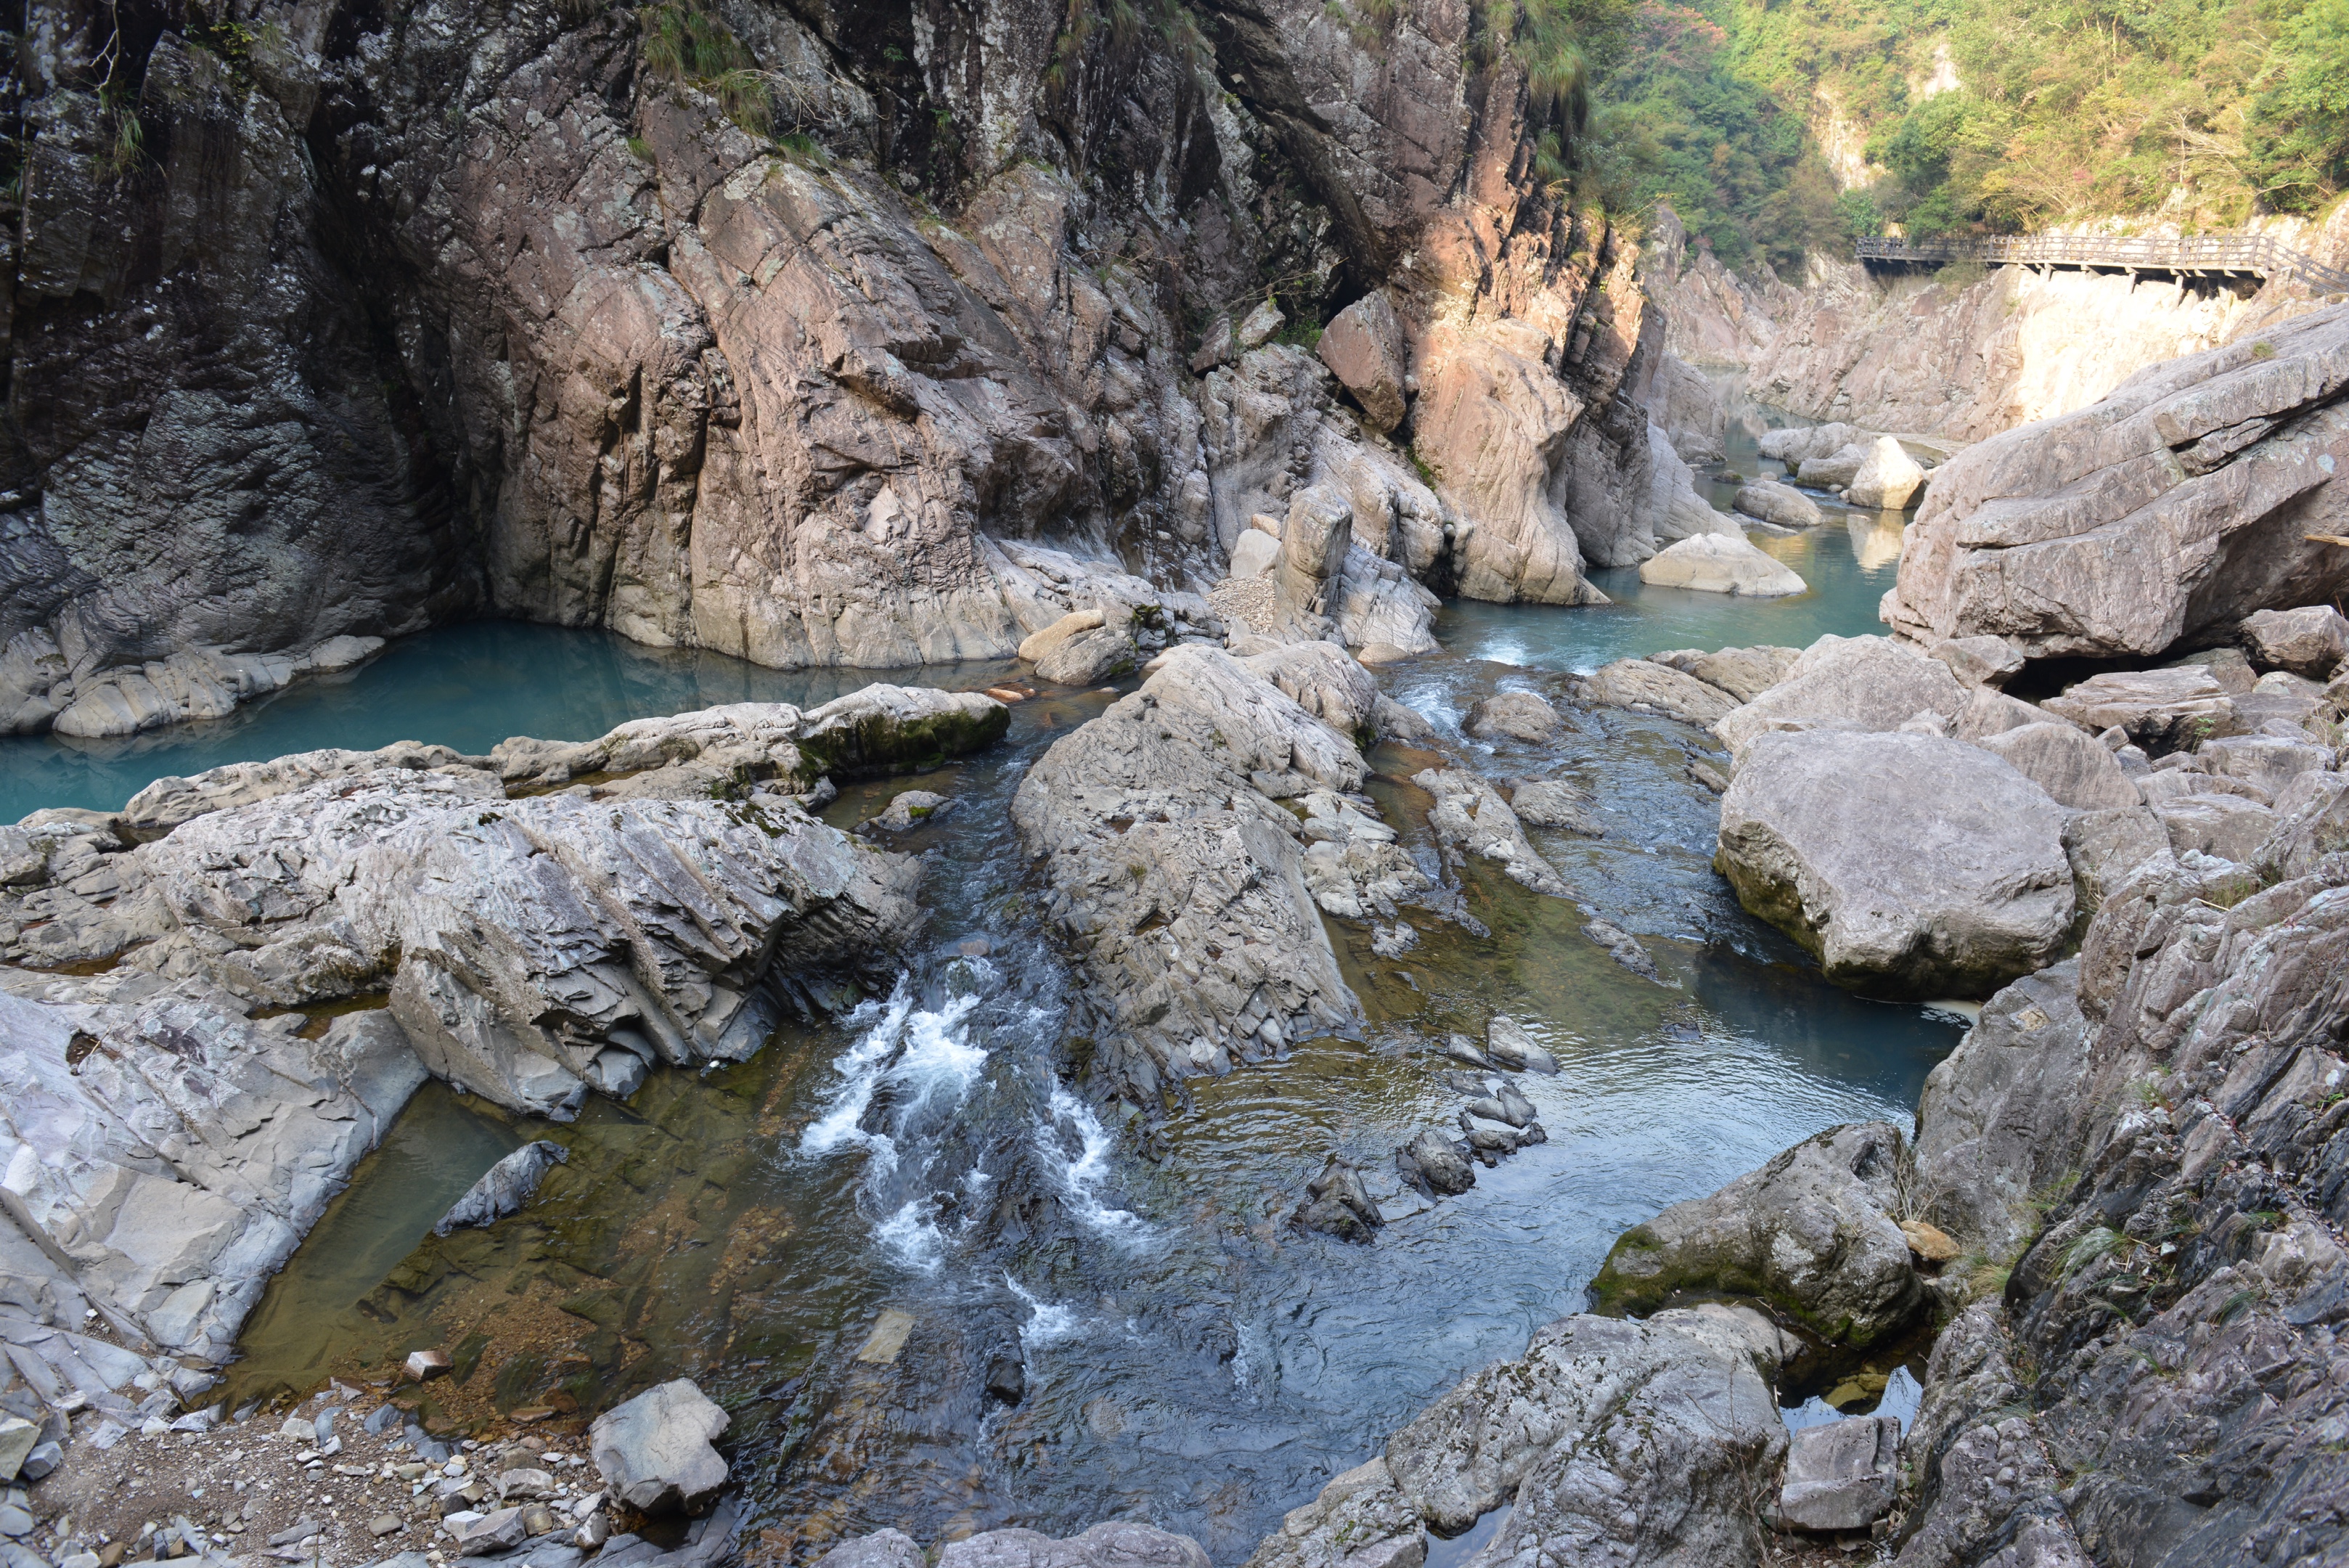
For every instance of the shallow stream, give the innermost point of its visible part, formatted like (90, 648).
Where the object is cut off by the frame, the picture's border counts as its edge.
(916, 1185)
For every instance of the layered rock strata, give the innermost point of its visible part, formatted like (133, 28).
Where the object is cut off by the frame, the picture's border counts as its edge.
(322, 335)
(2200, 492)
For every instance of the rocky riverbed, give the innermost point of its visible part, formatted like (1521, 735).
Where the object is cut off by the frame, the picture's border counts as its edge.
(1234, 1060)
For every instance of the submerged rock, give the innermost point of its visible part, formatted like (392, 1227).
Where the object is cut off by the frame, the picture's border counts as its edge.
(504, 1187)
(1910, 864)
(654, 1451)
(1514, 715)
(1811, 1234)
(1339, 1204)
(1469, 818)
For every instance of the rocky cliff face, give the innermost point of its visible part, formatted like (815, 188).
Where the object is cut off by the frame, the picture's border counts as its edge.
(1960, 361)
(756, 327)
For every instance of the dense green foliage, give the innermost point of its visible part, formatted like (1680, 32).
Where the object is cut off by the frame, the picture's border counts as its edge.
(1997, 114)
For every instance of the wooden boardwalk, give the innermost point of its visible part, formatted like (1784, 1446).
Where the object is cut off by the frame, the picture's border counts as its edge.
(2223, 257)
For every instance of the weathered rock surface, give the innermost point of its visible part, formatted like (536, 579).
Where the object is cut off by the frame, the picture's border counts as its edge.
(1841, 1475)
(653, 1450)
(2309, 641)
(1363, 348)
(1180, 880)
(1744, 673)
(1995, 1122)
(1990, 661)
(1644, 685)
(2072, 766)
(1720, 563)
(1812, 1234)
(1469, 818)
(2169, 710)
(2173, 509)
(1643, 1440)
(166, 1153)
(1554, 803)
(1910, 864)
(1851, 683)
(530, 947)
(2182, 1243)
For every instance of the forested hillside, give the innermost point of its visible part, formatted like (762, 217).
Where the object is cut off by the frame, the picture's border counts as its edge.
(2006, 116)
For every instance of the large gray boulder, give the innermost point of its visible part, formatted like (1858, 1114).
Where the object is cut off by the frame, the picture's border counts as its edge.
(1513, 715)
(1848, 683)
(654, 1451)
(1650, 1439)
(1180, 878)
(1812, 1234)
(1911, 866)
(1994, 1124)
(2178, 506)
(2072, 766)
(1842, 1475)
(1887, 478)
(1363, 348)
(1721, 564)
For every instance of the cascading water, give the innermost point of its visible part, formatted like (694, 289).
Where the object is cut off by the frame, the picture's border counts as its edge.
(1192, 1359)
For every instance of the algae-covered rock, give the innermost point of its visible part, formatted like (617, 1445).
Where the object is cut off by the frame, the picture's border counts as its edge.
(1811, 1234)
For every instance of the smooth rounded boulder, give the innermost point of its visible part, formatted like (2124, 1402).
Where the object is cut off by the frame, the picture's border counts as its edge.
(654, 1451)
(1911, 866)
(1720, 564)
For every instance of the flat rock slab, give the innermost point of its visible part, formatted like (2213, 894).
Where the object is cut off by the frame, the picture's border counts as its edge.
(1912, 866)
(1841, 1475)
(1642, 685)
(2174, 709)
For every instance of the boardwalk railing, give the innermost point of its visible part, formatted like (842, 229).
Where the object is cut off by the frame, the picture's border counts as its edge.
(2216, 256)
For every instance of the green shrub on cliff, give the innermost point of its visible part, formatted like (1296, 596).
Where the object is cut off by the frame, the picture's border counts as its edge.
(1957, 115)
